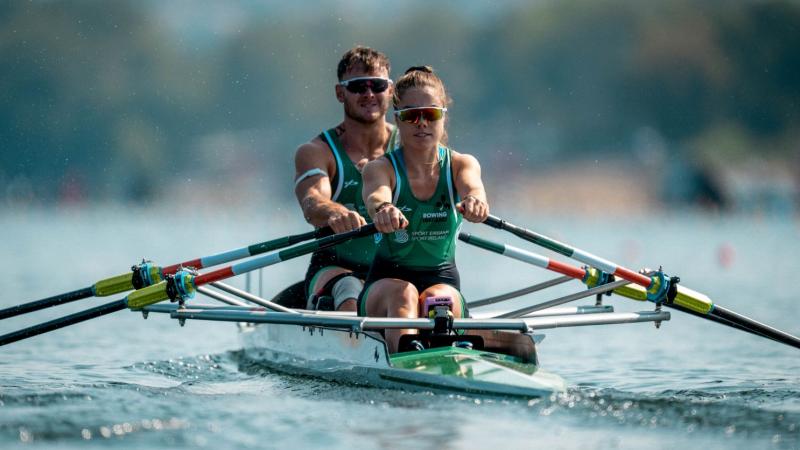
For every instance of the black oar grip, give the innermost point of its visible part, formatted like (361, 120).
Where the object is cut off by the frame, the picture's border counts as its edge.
(494, 221)
(322, 232)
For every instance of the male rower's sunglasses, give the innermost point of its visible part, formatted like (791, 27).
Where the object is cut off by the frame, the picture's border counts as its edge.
(413, 115)
(359, 85)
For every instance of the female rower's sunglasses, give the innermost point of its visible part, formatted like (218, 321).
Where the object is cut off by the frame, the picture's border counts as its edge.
(412, 115)
(359, 85)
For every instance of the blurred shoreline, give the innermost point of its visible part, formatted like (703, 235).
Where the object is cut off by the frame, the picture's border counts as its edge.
(580, 189)
(630, 106)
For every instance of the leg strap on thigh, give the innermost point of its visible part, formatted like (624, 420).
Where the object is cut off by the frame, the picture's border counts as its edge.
(346, 288)
(325, 298)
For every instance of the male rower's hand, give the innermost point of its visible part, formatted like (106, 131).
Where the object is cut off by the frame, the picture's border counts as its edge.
(389, 219)
(473, 209)
(345, 220)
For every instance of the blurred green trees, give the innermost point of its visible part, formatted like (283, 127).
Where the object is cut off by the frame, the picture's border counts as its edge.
(114, 99)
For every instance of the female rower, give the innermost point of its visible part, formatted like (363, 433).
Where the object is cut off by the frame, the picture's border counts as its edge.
(417, 196)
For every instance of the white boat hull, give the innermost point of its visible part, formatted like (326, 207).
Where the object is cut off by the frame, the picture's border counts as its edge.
(362, 358)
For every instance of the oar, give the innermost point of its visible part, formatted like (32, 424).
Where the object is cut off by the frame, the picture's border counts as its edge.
(183, 284)
(146, 274)
(590, 276)
(659, 288)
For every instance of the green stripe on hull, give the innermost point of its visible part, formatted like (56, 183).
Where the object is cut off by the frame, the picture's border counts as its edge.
(472, 371)
(443, 387)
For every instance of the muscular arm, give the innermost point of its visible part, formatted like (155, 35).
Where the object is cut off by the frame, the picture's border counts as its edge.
(468, 183)
(378, 180)
(314, 193)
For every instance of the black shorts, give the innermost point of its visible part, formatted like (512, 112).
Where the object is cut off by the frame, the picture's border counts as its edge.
(421, 279)
(327, 258)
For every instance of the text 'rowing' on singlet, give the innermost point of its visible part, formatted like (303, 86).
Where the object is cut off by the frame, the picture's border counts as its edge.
(429, 241)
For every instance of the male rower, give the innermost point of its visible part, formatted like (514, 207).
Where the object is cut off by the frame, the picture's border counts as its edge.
(328, 177)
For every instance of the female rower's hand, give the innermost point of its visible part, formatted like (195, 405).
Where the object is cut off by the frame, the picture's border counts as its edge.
(389, 219)
(473, 209)
(345, 220)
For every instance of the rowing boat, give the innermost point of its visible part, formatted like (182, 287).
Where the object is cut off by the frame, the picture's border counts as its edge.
(500, 358)
(339, 354)
(485, 354)
(495, 362)
(328, 346)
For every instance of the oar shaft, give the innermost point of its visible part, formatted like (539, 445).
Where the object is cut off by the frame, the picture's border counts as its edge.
(244, 252)
(683, 298)
(755, 325)
(571, 252)
(162, 290)
(62, 322)
(47, 302)
(718, 320)
(189, 283)
(283, 255)
(125, 282)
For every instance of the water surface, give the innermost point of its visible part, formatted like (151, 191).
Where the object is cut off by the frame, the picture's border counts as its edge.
(125, 382)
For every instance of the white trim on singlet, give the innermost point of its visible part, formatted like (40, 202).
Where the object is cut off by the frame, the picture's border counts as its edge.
(392, 144)
(339, 167)
(397, 180)
(448, 172)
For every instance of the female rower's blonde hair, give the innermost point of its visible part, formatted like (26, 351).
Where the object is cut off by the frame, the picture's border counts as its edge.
(419, 77)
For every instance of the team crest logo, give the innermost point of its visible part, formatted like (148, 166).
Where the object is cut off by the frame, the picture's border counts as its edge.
(377, 237)
(404, 208)
(443, 203)
(401, 236)
(350, 183)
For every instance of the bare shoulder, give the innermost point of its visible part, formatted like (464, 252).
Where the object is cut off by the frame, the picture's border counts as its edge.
(464, 161)
(377, 166)
(312, 148)
(313, 154)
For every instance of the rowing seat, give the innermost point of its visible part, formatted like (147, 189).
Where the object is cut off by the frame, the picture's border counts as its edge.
(440, 340)
(293, 296)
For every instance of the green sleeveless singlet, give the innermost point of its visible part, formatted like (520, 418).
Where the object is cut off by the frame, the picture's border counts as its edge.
(347, 185)
(429, 241)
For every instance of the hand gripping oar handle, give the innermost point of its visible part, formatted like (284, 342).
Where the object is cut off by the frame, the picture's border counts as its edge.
(147, 274)
(183, 284)
(656, 286)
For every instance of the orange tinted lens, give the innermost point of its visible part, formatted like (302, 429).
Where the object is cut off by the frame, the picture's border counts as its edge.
(431, 114)
(413, 115)
(410, 116)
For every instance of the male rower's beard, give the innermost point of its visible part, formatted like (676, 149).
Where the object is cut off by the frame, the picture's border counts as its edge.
(351, 114)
